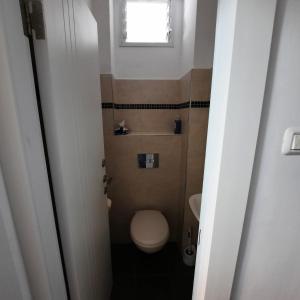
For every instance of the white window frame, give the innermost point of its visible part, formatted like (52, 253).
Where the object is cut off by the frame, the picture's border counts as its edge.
(122, 25)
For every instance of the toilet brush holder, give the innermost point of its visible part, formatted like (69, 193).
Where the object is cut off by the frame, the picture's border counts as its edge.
(189, 255)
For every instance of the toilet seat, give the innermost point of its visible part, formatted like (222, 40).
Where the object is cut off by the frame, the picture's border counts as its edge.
(149, 229)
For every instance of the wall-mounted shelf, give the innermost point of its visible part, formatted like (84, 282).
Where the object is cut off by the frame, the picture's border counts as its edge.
(151, 133)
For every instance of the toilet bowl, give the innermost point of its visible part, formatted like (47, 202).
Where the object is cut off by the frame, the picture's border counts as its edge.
(149, 230)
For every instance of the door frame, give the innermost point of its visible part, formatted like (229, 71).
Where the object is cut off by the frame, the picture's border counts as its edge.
(241, 57)
(242, 50)
(23, 162)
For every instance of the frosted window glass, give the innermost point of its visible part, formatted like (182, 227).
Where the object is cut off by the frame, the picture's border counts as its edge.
(147, 21)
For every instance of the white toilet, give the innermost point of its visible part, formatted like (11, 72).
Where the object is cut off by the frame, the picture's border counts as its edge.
(149, 230)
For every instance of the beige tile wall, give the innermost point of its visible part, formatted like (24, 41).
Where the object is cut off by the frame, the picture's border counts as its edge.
(182, 191)
(181, 156)
(195, 149)
(200, 84)
(148, 120)
(185, 86)
(106, 87)
(147, 91)
(143, 91)
(198, 121)
(134, 188)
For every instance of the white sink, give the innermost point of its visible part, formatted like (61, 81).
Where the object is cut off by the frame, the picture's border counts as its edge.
(195, 203)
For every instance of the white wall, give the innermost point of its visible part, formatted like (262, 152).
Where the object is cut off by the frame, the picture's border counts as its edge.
(193, 42)
(101, 12)
(148, 62)
(89, 3)
(198, 37)
(269, 265)
(205, 33)
(188, 35)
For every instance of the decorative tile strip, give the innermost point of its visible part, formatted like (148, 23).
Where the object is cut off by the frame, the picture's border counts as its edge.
(147, 106)
(194, 104)
(200, 104)
(107, 105)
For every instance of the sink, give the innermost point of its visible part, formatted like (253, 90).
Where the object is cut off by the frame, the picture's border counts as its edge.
(195, 202)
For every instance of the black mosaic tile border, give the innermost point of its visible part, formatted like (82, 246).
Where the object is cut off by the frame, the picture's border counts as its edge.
(194, 104)
(107, 105)
(200, 104)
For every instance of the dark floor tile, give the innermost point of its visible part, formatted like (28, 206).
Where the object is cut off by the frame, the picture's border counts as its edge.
(123, 257)
(182, 280)
(153, 288)
(184, 270)
(140, 276)
(123, 293)
(153, 264)
(182, 289)
(124, 287)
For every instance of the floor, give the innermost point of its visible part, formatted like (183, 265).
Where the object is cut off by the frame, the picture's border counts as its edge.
(139, 276)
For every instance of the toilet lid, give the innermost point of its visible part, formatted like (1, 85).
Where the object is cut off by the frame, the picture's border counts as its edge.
(149, 227)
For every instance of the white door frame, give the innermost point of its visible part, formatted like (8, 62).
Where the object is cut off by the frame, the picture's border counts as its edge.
(243, 40)
(242, 49)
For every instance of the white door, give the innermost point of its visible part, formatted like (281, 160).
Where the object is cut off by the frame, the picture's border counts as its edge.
(68, 75)
(13, 279)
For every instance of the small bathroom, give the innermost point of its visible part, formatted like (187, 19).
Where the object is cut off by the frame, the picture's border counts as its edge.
(122, 175)
(155, 92)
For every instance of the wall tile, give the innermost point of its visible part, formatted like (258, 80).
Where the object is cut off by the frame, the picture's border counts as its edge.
(201, 84)
(106, 87)
(181, 156)
(183, 171)
(198, 122)
(134, 189)
(185, 86)
(148, 120)
(108, 122)
(146, 91)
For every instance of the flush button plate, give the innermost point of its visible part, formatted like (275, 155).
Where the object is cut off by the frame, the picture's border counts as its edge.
(291, 141)
(148, 160)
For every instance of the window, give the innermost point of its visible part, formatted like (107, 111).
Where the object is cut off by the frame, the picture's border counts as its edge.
(146, 23)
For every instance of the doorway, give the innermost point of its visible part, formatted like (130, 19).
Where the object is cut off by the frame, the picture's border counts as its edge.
(146, 89)
(64, 87)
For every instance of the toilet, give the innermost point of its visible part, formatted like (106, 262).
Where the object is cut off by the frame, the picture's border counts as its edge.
(149, 230)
